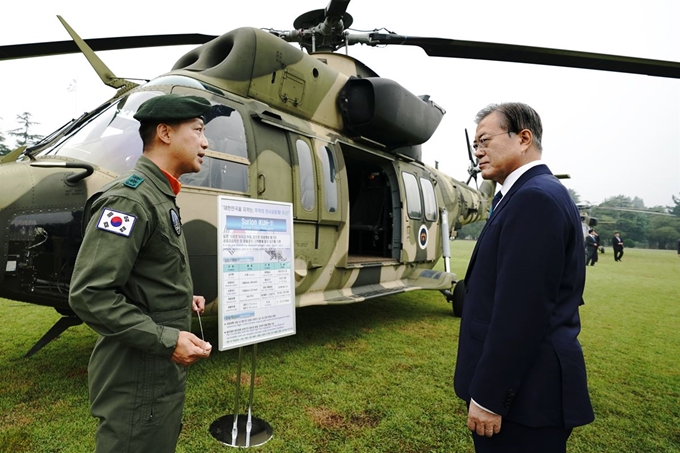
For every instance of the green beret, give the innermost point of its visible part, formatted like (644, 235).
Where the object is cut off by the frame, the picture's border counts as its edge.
(171, 107)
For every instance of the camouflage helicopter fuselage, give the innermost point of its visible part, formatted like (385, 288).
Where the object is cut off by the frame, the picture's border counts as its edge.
(321, 132)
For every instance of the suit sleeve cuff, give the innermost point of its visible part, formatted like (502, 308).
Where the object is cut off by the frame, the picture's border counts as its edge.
(482, 407)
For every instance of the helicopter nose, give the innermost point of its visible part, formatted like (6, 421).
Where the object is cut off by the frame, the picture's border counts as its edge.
(14, 184)
(39, 209)
(14, 191)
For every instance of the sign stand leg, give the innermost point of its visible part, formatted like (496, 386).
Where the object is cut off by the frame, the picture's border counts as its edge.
(234, 428)
(233, 431)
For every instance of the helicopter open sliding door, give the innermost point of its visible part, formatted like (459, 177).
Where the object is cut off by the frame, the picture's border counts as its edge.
(374, 207)
(420, 216)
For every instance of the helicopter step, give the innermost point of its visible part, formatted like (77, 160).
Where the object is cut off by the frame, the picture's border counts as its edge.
(419, 279)
(66, 321)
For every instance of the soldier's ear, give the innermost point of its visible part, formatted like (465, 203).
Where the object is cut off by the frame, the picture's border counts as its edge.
(163, 132)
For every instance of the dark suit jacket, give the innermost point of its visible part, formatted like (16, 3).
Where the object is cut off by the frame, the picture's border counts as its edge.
(518, 353)
(591, 243)
(617, 243)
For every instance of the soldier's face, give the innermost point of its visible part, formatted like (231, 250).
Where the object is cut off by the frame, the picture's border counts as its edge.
(189, 145)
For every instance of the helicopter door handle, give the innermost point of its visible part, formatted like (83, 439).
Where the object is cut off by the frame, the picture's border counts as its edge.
(72, 179)
(261, 184)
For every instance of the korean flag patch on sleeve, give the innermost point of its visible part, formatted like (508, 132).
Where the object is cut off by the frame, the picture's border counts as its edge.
(116, 222)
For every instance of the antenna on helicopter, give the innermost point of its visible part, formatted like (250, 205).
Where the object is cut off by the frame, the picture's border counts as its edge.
(473, 169)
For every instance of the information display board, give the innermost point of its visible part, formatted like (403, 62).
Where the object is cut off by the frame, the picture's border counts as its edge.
(256, 293)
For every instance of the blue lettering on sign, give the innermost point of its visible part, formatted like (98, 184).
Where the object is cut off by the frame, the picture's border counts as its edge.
(255, 224)
(245, 314)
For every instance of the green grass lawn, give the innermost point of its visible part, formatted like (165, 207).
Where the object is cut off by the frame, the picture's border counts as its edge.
(374, 376)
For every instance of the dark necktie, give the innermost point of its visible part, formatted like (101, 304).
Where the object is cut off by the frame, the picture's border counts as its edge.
(494, 202)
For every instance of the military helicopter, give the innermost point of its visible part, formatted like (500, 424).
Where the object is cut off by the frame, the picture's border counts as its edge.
(308, 125)
(589, 221)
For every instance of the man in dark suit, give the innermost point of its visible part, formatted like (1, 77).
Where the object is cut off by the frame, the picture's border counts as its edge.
(592, 245)
(520, 367)
(617, 244)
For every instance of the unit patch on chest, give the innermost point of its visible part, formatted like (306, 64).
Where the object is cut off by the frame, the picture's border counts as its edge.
(176, 222)
(116, 222)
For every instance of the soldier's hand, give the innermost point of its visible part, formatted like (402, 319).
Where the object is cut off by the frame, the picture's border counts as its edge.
(198, 304)
(190, 349)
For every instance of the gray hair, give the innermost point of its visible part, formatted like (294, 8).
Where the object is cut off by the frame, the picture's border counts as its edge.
(516, 116)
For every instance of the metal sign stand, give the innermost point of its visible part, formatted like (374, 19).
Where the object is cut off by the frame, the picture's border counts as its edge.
(234, 431)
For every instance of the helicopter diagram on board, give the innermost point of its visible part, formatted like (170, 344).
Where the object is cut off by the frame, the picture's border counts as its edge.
(293, 121)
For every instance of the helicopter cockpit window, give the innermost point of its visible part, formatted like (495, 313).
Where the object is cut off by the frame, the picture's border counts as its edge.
(413, 205)
(225, 165)
(429, 199)
(307, 192)
(111, 140)
(330, 185)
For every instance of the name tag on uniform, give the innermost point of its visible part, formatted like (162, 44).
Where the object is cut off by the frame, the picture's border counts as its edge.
(116, 222)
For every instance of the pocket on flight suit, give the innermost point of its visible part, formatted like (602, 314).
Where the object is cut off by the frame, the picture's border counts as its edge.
(159, 405)
(161, 389)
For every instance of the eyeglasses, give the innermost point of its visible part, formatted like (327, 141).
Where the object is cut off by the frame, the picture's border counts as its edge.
(481, 144)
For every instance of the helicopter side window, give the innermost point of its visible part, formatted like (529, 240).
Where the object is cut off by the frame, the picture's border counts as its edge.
(225, 132)
(307, 190)
(413, 205)
(330, 185)
(218, 174)
(225, 164)
(429, 199)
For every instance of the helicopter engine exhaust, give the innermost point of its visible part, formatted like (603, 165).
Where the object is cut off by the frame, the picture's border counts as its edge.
(384, 111)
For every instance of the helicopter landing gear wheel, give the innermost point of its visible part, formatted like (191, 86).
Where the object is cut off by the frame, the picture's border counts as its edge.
(457, 298)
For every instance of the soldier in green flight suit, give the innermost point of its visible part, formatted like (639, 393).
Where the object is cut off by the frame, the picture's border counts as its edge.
(132, 285)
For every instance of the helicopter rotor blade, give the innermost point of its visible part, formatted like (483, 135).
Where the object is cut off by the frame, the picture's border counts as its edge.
(337, 8)
(473, 169)
(43, 49)
(469, 148)
(453, 48)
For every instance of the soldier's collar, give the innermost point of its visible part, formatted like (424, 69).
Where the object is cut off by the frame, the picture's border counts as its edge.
(174, 182)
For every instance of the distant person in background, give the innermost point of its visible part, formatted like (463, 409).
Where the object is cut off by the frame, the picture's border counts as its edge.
(617, 244)
(600, 249)
(591, 247)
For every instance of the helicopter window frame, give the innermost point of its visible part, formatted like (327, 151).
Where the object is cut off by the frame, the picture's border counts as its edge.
(330, 182)
(429, 199)
(221, 169)
(413, 194)
(215, 171)
(307, 177)
(226, 164)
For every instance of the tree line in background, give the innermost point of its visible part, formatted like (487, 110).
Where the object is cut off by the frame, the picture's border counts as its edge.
(657, 227)
(650, 229)
(22, 134)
